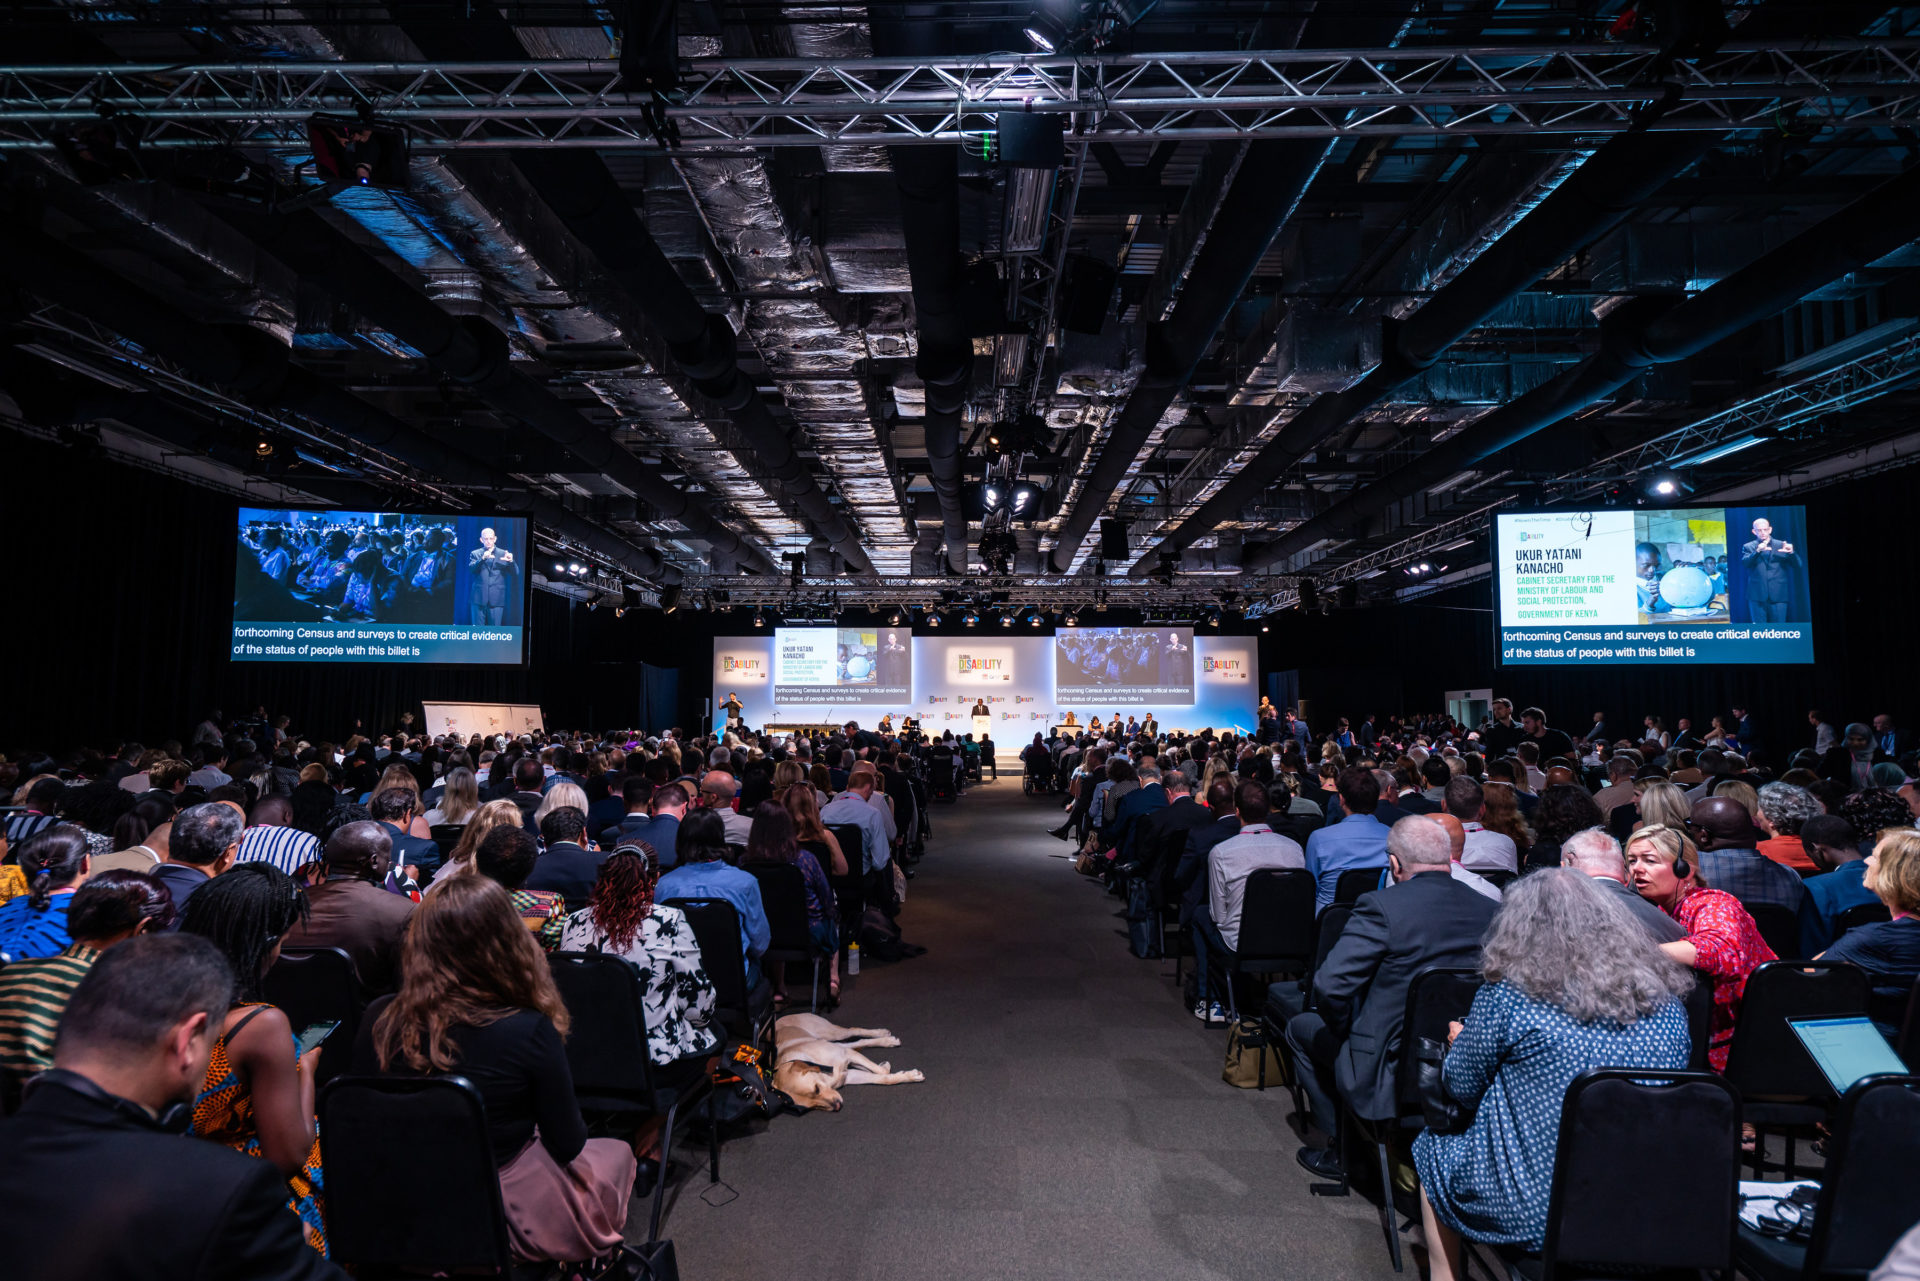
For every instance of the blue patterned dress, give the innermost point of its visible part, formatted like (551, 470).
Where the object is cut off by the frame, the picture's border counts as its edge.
(1515, 1058)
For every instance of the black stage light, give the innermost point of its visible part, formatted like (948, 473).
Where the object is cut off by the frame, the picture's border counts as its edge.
(759, 619)
(1309, 595)
(359, 151)
(669, 598)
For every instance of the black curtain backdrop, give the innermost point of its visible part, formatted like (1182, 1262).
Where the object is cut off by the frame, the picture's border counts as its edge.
(120, 626)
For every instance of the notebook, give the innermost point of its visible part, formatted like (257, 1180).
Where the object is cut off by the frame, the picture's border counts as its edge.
(1846, 1049)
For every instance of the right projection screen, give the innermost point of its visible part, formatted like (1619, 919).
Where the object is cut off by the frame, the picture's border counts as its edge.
(1627, 587)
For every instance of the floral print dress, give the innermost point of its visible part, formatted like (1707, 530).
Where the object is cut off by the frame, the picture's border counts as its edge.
(676, 993)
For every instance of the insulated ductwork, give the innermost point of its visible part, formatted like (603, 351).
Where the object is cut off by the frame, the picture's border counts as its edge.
(1868, 229)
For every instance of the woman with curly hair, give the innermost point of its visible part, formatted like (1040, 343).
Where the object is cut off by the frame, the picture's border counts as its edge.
(476, 998)
(1565, 808)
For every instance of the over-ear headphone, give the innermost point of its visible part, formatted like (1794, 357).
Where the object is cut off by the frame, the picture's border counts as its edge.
(1681, 868)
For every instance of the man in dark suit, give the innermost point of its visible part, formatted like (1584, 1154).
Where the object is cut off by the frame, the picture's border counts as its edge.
(108, 1117)
(1150, 796)
(491, 570)
(1890, 738)
(392, 808)
(204, 843)
(528, 775)
(1190, 874)
(1154, 833)
(567, 866)
(351, 909)
(1770, 564)
(1347, 1045)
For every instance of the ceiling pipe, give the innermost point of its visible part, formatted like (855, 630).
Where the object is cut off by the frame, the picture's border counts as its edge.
(1266, 189)
(1868, 229)
(1623, 174)
(580, 190)
(259, 369)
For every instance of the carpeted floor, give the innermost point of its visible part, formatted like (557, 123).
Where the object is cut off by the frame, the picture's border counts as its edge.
(1073, 1122)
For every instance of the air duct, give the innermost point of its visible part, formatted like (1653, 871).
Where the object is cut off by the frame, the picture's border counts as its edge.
(1871, 227)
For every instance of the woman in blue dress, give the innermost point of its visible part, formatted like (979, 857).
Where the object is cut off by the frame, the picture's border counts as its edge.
(1573, 983)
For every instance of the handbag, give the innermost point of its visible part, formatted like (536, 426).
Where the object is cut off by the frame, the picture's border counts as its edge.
(1252, 1060)
(1444, 1113)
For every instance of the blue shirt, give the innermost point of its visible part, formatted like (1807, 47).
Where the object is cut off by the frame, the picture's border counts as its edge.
(1358, 840)
(27, 934)
(720, 880)
(849, 808)
(661, 833)
(1828, 895)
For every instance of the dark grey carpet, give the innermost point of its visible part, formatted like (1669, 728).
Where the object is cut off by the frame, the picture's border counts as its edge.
(1073, 1122)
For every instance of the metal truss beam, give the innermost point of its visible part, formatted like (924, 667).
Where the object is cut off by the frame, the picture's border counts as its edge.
(1048, 592)
(729, 103)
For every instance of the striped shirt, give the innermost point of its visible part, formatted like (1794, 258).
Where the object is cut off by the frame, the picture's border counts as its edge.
(33, 995)
(22, 826)
(287, 848)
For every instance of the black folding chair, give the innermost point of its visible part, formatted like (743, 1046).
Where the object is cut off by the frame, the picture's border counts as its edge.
(716, 927)
(1276, 929)
(783, 893)
(1616, 1124)
(1907, 1043)
(1700, 1022)
(1780, 1086)
(613, 1071)
(1277, 1013)
(1779, 926)
(319, 985)
(1860, 914)
(446, 836)
(1495, 877)
(849, 891)
(382, 1133)
(1869, 1196)
(1356, 881)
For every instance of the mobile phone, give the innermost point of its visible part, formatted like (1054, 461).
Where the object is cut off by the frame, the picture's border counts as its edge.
(313, 1035)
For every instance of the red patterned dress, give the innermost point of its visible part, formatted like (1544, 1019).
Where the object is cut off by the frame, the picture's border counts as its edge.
(1729, 948)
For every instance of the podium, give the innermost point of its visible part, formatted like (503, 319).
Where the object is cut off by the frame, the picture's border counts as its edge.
(982, 725)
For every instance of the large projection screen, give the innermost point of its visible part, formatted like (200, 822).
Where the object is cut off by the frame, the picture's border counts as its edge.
(842, 666)
(1624, 587)
(379, 587)
(1123, 666)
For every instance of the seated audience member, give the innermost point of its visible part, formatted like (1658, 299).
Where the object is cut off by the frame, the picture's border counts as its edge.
(1851, 764)
(1571, 985)
(528, 780)
(54, 862)
(803, 806)
(1565, 808)
(1131, 810)
(1830, 844)
(204, 845)
(1723, 829)
(1501, 813)
(1782, 809)
(489, 816)
(1872, 814)
(636, 795)
(1598, 855)
(717, 790)
(1661, 804)
(258, 1094)
(140, 839)
(1349, 1042)
(566, 866)
(705, 873)
(131, 1053)
(660, 831)
(1722, 941)
(1190, 880)
(459, 800)
(1358, 840)
(855, 806)
(395, 809)
(110, 907)
(1619, 789)
(476, 998)
(271, 838)
(1889, 951)
(1486, 850)
(1254, 847)
(508, 857)
(622, 919)
(351, 909)
(775, 840)
(1457, 845)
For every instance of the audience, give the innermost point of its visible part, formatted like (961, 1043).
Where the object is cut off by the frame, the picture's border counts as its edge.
(1597, 854)
(1486, 850)
(508, 857)
(566, 867)
(350, 909)
(1730, 860)
(1565, 808)
(204, 844)
(54, 861)
(1783, 809)
(1889, 951)
(704, 872)
(493, 814)
(1554, 1005)
(1359, 840)
(476, 998)
(775, 839)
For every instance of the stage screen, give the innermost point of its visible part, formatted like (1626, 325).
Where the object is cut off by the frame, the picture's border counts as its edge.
(843, 666)
(379, 587)
(1629, 588)
(951, 675)
(1123, 666)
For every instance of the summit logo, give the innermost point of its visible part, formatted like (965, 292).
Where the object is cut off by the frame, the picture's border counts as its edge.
(967, 665)
(1232, 668)
(745, 666)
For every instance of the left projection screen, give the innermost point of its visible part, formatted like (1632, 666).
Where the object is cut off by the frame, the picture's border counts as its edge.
(339, 586)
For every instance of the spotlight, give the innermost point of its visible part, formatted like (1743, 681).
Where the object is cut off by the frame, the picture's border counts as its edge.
(759, 619)
(971, 618)
(893, 619)
(1668, 484)
(1072, 619)
(1006, 620)
(669, 598)
(933, 618)
(1213, 619)
(1263, 629)
(558, 568)
(1033, 619)
(619, 611)
(264, 449)
(1039, 39)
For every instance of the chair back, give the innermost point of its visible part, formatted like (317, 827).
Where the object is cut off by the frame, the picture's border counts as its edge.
(853, 844)
(1779, 926)
(1860, 914)
(716, 927)
(1766, 1060)
(446, 836)
(1326, 933)
(1276, 920)
(783, 893)
(1869, 1196)
(380, 1134)
(1499, 878)
(1907, 1043)
(1700, 1022)
(1616, 1124)
(1437, 996)
(1356, 881)
(849, 891)
(607, 1042)
(318, 985)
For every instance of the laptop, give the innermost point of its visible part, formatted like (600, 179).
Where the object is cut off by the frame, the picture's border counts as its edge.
(1847, 1049)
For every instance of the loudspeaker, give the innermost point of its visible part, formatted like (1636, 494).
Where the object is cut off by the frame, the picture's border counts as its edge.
(1346, 596)
(1309, 596)
(1031, 141)
(1113, 538)
(1086, 294)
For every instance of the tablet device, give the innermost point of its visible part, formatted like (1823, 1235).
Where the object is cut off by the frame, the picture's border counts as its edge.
(1846, 1049)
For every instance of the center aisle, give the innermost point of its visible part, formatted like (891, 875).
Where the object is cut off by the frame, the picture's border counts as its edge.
(1073, 1122)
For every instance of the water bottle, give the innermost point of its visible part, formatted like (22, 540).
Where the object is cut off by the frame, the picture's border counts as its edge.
(853, 958)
